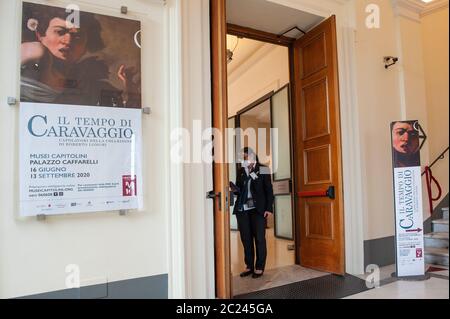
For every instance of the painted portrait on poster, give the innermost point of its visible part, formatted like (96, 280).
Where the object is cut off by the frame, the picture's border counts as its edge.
(405, 143)
(79, 58)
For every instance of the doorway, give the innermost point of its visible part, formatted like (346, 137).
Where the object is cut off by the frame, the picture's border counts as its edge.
(315, 184)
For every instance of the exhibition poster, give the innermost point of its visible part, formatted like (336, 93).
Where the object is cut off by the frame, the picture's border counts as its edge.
(80, 112)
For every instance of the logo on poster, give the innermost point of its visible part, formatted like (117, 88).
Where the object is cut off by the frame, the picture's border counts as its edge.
(419, 253)
(129, 185)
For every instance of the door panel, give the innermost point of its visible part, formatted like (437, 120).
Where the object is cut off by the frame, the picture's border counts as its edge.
(318, 150)
(282, 168)
(319, 219)
(282, 145)
(317, 165)
(232, 169)
(314, 52)
(283, 217)
(315, 109)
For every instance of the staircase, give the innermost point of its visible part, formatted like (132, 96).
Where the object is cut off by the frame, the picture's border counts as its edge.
(436, 243)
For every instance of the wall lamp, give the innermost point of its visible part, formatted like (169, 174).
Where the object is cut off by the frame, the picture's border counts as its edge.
(389, 61)
(230, 52)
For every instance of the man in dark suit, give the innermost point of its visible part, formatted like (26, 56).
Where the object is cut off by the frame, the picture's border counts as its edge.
(254, 205)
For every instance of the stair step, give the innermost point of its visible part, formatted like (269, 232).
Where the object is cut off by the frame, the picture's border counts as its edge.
(436, 240)
(440, 221)
(445, 211)
(437, 235)
(437, 251)
(440, 226)
(437, 256)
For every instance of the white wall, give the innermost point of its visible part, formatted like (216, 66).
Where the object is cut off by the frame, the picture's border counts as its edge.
(267, 70)
(435, 53)
(34, 254)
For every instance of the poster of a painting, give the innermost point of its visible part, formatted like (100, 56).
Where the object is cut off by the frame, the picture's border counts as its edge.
(80, 112)
(410, 254)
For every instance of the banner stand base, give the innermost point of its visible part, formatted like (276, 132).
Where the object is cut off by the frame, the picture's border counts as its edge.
(412, 278)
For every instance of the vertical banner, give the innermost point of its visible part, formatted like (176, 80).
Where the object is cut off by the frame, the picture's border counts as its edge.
(410, 254)
(80, 112)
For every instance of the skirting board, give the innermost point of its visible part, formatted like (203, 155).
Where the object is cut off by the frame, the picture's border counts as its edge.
(154, 287)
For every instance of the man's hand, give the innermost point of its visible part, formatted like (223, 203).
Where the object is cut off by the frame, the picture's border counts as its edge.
(268, 214)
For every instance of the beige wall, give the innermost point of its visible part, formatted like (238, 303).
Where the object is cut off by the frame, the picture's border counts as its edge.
(415, 88)
(435, 53)
(379, 104)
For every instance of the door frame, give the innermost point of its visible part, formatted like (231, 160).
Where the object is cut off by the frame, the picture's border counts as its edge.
(182, 24)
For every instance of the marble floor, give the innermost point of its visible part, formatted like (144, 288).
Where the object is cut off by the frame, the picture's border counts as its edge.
(437, 287)
(280, 266)
(387, 271)
(434, 288)
(274, 278)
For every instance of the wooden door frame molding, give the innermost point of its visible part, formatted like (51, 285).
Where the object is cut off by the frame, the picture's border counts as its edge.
(240, 31)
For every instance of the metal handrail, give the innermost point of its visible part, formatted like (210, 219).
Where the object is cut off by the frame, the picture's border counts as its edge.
(440, 157)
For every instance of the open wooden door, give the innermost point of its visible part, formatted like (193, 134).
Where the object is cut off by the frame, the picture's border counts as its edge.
(317, 155)
(220, 122)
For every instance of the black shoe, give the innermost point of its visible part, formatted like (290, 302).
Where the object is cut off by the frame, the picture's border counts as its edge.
(255, 275)
(246, 273)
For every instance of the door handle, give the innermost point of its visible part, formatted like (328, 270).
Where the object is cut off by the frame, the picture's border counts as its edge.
(213, 195)
(330, 193)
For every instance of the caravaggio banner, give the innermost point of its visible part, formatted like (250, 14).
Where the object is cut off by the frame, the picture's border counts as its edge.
(410, 254)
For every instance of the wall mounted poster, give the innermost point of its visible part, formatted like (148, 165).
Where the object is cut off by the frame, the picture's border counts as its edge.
(80, 112)
(410, 255)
